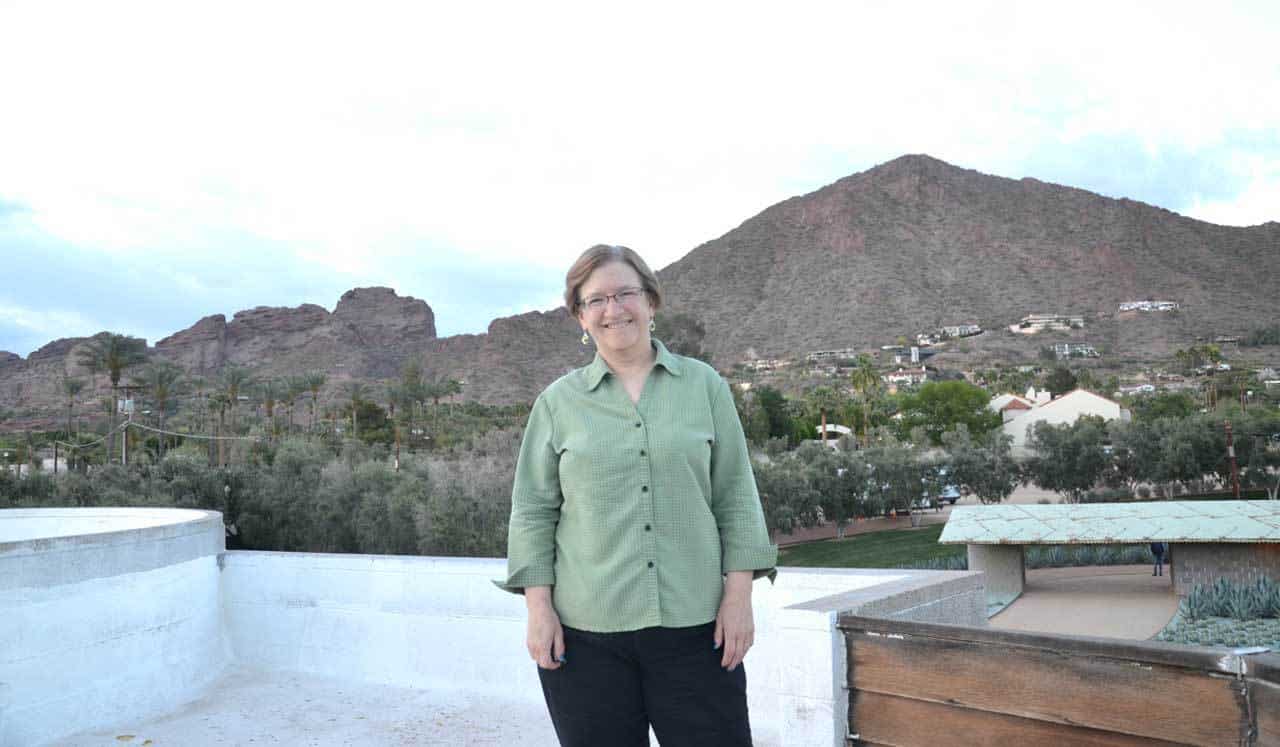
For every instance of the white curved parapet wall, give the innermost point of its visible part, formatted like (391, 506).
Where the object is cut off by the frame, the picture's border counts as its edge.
(106, 611)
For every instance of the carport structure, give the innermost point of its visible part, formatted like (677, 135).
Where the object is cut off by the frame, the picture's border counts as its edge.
(1238, 540)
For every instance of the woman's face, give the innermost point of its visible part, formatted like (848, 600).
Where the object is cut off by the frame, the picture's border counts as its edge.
(617, 327)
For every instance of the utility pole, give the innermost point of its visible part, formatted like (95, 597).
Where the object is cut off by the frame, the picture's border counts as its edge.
(1231, 455)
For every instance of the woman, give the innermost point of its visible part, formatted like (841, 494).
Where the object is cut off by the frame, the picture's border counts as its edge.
(636, 530)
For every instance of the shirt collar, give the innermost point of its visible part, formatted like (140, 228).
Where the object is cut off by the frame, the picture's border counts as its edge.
(665, 358)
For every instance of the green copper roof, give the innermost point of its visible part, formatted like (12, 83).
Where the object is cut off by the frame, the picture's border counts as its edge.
(1087, 523)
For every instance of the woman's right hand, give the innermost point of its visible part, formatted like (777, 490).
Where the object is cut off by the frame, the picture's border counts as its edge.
(545, 639)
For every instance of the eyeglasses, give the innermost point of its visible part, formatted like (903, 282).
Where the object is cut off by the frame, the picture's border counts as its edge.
(624, 297)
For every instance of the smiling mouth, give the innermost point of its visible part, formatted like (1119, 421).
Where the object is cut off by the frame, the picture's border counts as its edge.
(618, 325)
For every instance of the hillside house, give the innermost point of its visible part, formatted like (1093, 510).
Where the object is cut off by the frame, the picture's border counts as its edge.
(831, 355)
(906, 377)
(1065, 350)
(1010, 406)
(1066, 409)
(834, 432)
(961, 330)
(1033, 323)
(1149, 306)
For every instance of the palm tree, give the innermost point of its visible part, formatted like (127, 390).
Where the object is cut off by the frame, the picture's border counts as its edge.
(865, 381)
(71, 387)
(396, 394)
(297, 386)
(160, 380)
(413, 391)
(271, 391)
(442, 386)
(220, 401)
(234, 380)
(198, 384)
(355, 392)
(314, 382)
(112, 353)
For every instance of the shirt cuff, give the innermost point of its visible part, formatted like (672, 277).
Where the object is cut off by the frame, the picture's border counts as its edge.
(760, 560)
(516, 584)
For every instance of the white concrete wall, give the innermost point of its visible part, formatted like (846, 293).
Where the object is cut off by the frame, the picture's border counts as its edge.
(118, 626)
(439, 623)
(108, 625)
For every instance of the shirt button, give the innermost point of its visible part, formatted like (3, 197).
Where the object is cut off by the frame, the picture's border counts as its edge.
(644, 488)
(642, 452)
(639, 424)
(647, 528)
(650, 563)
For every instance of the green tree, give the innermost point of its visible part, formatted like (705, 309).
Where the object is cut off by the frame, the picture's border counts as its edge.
(1259, 453)
(1069, 457)
(295, 387)
(939, 406)
(1190, 449)
(235, 381)
(219, 402)
(786, 495)
(839, 481)
(682, 334)
(1163, 405)
(1060, 381)
(160, 381)
(894, 474)
(314, 381)
(1137, 447)
(821, 401)
(72, 388)
(865, 380)
(985, 468)
(774, 407)
(112, 353)
(271, 392)
(1269, 335)
(355, 391)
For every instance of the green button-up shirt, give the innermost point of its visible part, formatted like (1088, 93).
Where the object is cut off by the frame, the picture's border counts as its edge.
(632, 512)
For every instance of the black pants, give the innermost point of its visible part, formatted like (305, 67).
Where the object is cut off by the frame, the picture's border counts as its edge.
(612, 686)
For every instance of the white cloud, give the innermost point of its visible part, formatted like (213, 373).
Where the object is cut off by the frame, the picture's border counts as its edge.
(1258, 202)
(353, 139)
(48, 323)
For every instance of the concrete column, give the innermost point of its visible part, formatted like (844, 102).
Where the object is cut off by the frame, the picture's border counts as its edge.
(1005, 572)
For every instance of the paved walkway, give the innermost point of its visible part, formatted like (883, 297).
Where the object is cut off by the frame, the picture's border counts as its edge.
(1122, 601)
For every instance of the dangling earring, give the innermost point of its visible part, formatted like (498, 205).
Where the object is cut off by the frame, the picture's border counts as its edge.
(652, 325)
(585, 339)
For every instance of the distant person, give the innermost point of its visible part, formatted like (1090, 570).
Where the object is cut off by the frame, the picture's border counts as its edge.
(1158, 550)
(636, 530)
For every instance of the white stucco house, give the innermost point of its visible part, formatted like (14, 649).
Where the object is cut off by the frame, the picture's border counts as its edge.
(1063, 410)
(1010, 406)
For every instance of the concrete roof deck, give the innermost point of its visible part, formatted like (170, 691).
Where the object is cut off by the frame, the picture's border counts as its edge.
(1097, 523)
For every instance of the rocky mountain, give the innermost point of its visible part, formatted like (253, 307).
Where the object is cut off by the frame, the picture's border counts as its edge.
(369, 334)
(917, 243)
(907, 246)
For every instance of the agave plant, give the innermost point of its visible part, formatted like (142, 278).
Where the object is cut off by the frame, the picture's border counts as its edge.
(1220, 597)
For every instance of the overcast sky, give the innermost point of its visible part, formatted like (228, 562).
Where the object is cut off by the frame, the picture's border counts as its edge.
(162, 161)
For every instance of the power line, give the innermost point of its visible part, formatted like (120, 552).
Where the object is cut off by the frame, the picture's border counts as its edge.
(131, 424)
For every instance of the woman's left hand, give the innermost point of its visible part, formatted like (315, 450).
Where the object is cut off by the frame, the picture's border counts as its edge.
(735, 627)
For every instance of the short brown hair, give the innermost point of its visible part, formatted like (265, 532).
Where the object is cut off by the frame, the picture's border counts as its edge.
(603, 254)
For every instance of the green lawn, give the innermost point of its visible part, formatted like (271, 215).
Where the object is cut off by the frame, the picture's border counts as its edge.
(888, 549)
